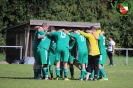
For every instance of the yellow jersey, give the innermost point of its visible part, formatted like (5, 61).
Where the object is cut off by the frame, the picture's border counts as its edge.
(94, 49)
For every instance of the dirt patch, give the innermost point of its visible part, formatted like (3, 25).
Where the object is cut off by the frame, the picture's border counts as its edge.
(3, 62)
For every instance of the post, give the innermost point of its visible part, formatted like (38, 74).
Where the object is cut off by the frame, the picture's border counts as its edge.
(31, 44)
(27, 41)
(127, 57)
(21, 53)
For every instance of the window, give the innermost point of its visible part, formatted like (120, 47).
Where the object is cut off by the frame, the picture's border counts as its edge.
(19, 39)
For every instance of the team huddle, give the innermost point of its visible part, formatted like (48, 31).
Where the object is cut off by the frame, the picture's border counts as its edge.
(55, 47)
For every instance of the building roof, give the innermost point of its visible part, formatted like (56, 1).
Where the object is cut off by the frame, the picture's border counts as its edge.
(57, 23)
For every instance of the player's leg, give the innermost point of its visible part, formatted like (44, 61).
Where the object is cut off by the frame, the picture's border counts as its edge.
(100, 62)
(35, 69)
(90, 64)
(58, 57)
(65, 62)
(71, 67)
(76, 63)
(95, 63)
(92, 75)
(61, 69)
(80, 60)
(110, 58)
(44, 58)
(101, 67)
(38, 62)
(51, 62)
(51, 71)
(84, 62)
(35, 65)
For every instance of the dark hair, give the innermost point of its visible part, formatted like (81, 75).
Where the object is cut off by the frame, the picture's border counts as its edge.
(110, 37)
(92, 28)
(51, 28)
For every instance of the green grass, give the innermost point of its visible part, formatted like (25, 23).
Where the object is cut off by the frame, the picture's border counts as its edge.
(120, 60)
(21, 76)
(2, 56)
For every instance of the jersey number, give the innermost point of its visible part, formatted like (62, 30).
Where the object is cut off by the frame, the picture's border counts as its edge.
(63, 35)
(82, 38)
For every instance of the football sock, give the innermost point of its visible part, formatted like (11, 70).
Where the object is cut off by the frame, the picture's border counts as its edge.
(51, 71)
(35, 73)
(71, 70)
(65, 73)
(99, 75)
(61, 71)
(92, 74)
(83, 71)
(39, 72)
(45, 71)
(103, 72)
(80, 68)
(57, 72)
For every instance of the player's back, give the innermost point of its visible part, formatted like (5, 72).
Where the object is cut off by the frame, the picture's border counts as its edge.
(36, 40)
(62, 39)
(81, 42)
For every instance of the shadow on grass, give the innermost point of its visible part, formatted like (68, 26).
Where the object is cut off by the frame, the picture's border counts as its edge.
(17, 78)
(31, 78)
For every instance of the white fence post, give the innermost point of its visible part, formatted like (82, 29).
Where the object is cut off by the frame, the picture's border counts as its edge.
(127, 57)
(21, 53)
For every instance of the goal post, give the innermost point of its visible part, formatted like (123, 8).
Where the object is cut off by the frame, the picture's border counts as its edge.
(21, 47)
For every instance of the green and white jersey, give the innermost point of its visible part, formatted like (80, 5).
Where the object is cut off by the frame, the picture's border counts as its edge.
(52, 47)
(71, 44)
(36, 41)
(44, 42)
(80, 40)
(62, 39)
(101, 44)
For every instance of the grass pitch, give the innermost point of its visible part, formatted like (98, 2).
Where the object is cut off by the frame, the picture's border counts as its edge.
(21, 76)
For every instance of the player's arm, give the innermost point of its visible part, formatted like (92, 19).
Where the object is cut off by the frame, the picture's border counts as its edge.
(83, 33)
(39, 29)
(51, 34)
(66, 31)
(40, 36)
(95, 35)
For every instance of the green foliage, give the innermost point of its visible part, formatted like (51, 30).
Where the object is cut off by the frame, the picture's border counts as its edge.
(17, 11)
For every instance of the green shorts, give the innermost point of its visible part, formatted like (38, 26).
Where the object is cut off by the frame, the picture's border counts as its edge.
(42, 56)
(82, 57)
(62, 53)
(102, 59)
(34, 52)
(71, 57)
(51, 58)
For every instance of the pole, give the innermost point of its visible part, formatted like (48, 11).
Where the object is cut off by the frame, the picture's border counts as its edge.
(127, 57)
(27, 41)
(21, 53)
